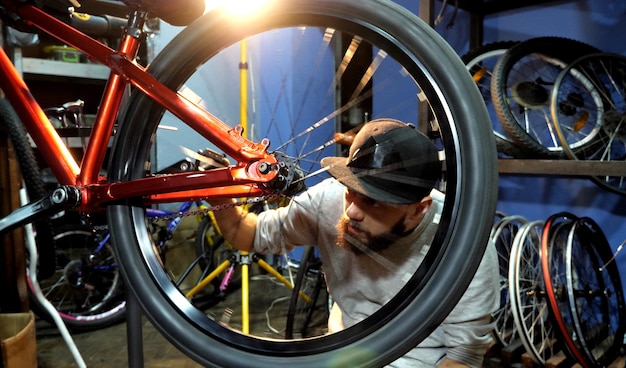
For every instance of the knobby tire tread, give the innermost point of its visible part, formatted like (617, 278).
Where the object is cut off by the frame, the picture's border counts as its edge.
(563, 49)
(33, 182)
(503, 144)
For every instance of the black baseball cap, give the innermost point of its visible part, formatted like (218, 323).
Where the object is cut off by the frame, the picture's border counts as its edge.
(389, 161)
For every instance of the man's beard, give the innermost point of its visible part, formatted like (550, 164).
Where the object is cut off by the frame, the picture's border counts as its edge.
(365, 242)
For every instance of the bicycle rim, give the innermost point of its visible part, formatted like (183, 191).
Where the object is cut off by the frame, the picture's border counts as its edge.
(400, 42)
(503, 236)
(86, 289)
(594, 294)
(527, 290)
(553, 247)
(588, 110)
(480, 63)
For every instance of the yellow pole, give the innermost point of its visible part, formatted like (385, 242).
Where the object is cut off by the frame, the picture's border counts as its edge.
(243, 88)
(243, 120)
(219, 269)
(245, 293)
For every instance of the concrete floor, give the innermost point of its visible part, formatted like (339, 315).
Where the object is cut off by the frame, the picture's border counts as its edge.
(108, 347)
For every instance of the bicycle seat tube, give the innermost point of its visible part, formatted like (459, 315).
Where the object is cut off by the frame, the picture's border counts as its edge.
(95, 151)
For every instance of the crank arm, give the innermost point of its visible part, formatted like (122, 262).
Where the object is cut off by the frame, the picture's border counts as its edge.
(60, 199)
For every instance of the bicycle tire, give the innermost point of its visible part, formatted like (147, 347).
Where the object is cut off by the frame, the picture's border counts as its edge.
(528, 303)
(44, 234)
(520, 90)
(594, 294)
(503, 235)
(87, 289)
(553, 247)
(210, 248)
(300, 312)
(480, 63)
(471, 181)
(588, 111)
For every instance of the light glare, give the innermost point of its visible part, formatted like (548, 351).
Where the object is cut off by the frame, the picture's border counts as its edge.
(236, 7)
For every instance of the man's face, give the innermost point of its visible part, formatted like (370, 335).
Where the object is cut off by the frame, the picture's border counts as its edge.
(369, 225)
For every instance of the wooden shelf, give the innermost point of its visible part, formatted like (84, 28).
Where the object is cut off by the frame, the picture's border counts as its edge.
(74, 137)
(562, 167)
(485, 7)
(31, 67)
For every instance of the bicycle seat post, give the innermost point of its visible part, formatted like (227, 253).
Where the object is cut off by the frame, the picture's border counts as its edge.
(135, 24)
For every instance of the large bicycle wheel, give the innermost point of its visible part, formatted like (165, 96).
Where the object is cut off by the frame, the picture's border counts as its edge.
(594, 294)
(399, 68)
(87, 289)
(589, 112)
(521, 85)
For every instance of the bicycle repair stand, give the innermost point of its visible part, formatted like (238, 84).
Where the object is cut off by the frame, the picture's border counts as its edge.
(134, 328)
(134, 332)
(244, 259)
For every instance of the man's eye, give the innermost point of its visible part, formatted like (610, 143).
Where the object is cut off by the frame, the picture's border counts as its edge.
(369, 201)
(361, 199)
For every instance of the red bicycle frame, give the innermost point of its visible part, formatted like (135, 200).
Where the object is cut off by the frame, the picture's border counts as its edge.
(237, 180)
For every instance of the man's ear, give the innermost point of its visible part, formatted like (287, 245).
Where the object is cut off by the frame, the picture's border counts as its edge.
(416, 211)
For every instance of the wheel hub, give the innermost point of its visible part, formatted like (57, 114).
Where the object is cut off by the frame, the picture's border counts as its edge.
(614, 124)
(531, 95)
(73, 274)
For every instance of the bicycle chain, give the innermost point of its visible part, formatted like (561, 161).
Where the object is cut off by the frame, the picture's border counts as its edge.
(201, 211)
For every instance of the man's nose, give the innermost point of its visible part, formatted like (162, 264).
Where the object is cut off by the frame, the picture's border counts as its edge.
(353, 211)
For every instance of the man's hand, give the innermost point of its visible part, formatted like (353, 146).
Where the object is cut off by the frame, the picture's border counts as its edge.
(236, 225)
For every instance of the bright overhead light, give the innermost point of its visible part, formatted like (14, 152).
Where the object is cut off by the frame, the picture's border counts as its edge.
(236, 7)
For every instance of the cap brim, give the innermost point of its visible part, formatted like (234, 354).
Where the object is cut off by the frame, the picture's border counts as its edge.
(336, 166)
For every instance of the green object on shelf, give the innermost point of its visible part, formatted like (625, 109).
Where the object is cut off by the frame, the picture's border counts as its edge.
(63, 53)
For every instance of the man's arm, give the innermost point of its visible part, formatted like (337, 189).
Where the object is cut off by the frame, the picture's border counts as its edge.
(468, 328)
(236, 225)
(449, 363)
